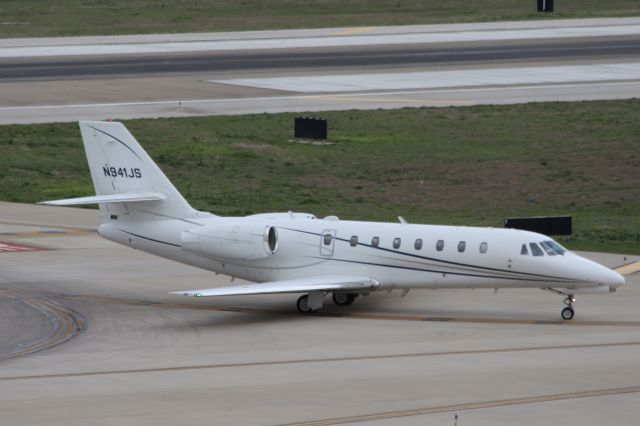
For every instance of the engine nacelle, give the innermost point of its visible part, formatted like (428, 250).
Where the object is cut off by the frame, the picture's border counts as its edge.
(233, 241)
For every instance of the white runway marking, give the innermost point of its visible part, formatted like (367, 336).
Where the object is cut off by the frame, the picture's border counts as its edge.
(97, 48)
(441, 79)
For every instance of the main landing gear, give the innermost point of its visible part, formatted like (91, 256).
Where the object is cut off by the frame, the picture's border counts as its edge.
(311, 302)
(344, 299)
(303, 304)
(314, 301)
(568, 312)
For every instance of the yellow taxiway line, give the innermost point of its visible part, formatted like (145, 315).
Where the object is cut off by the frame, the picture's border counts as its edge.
(393, 100)
(629, 269)
(354, 31)
(65, 323)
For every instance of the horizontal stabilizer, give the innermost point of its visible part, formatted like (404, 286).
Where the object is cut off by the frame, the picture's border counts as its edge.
(304, 285)
(130, 197)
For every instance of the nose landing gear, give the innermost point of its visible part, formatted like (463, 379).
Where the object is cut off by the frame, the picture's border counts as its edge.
(567, 313)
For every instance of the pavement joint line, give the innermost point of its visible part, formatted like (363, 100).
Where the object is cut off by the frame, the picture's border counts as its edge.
(318, 361)
(471, 406)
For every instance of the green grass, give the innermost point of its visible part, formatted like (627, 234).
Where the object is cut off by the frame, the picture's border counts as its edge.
(467, 166)
(43, 18)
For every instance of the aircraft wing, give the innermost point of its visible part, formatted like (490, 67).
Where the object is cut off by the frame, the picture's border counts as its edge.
(126, 197)
(303, 285)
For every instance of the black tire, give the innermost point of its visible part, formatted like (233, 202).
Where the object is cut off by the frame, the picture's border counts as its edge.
(344, 299)
(567, 314)
(303, 304)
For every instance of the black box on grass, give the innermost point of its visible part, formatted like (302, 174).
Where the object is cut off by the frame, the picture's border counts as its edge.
(548, 225)
(545, 5)
(310, 128)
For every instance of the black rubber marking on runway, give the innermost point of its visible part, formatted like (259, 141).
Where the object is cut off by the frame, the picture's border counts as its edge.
(348, 315)
(321, 360)
(17, 69)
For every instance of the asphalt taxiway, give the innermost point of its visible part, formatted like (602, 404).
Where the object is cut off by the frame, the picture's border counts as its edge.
(90, 334)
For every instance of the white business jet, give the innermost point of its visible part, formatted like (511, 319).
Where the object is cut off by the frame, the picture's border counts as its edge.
(299, 253)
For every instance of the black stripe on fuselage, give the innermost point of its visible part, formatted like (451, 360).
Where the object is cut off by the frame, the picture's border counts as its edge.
(169, 217)
(151, 239)
(417, 256)
(409, 268)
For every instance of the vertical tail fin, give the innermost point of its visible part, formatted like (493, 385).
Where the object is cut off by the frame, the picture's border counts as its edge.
(124, 174)
(119, 165)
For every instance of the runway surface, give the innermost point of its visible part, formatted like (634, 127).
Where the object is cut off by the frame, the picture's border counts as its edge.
(72, 67)
(135, 354)
(66, 79)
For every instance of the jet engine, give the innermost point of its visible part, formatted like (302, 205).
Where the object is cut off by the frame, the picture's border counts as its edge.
(239, 241)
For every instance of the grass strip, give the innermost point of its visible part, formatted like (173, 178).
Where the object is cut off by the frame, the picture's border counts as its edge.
(463, 165)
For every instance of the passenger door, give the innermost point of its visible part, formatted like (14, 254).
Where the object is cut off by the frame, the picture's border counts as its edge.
(327, 242)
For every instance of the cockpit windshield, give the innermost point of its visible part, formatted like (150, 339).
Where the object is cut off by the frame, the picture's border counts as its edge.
(535, 250)
(552, 248)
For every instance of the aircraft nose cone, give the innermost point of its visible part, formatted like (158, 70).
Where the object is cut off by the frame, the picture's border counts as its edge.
(615, 279)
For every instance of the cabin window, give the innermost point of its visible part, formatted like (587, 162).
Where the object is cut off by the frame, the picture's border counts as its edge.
(396, 243)
(375, 241)
(461, 246)
(535, 250)
(327, 239)
(418, 244)
(524, 251)
(440, 245)
(353, 241)
(483, 247)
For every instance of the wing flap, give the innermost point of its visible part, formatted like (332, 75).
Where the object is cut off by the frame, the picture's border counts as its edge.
(126, 197)
(304, 285)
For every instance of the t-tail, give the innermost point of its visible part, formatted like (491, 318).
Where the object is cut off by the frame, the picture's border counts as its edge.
(128, 184)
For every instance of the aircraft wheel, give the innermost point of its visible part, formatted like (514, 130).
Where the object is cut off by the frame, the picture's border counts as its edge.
(344, 299)
(567, 313)
(303, 304)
